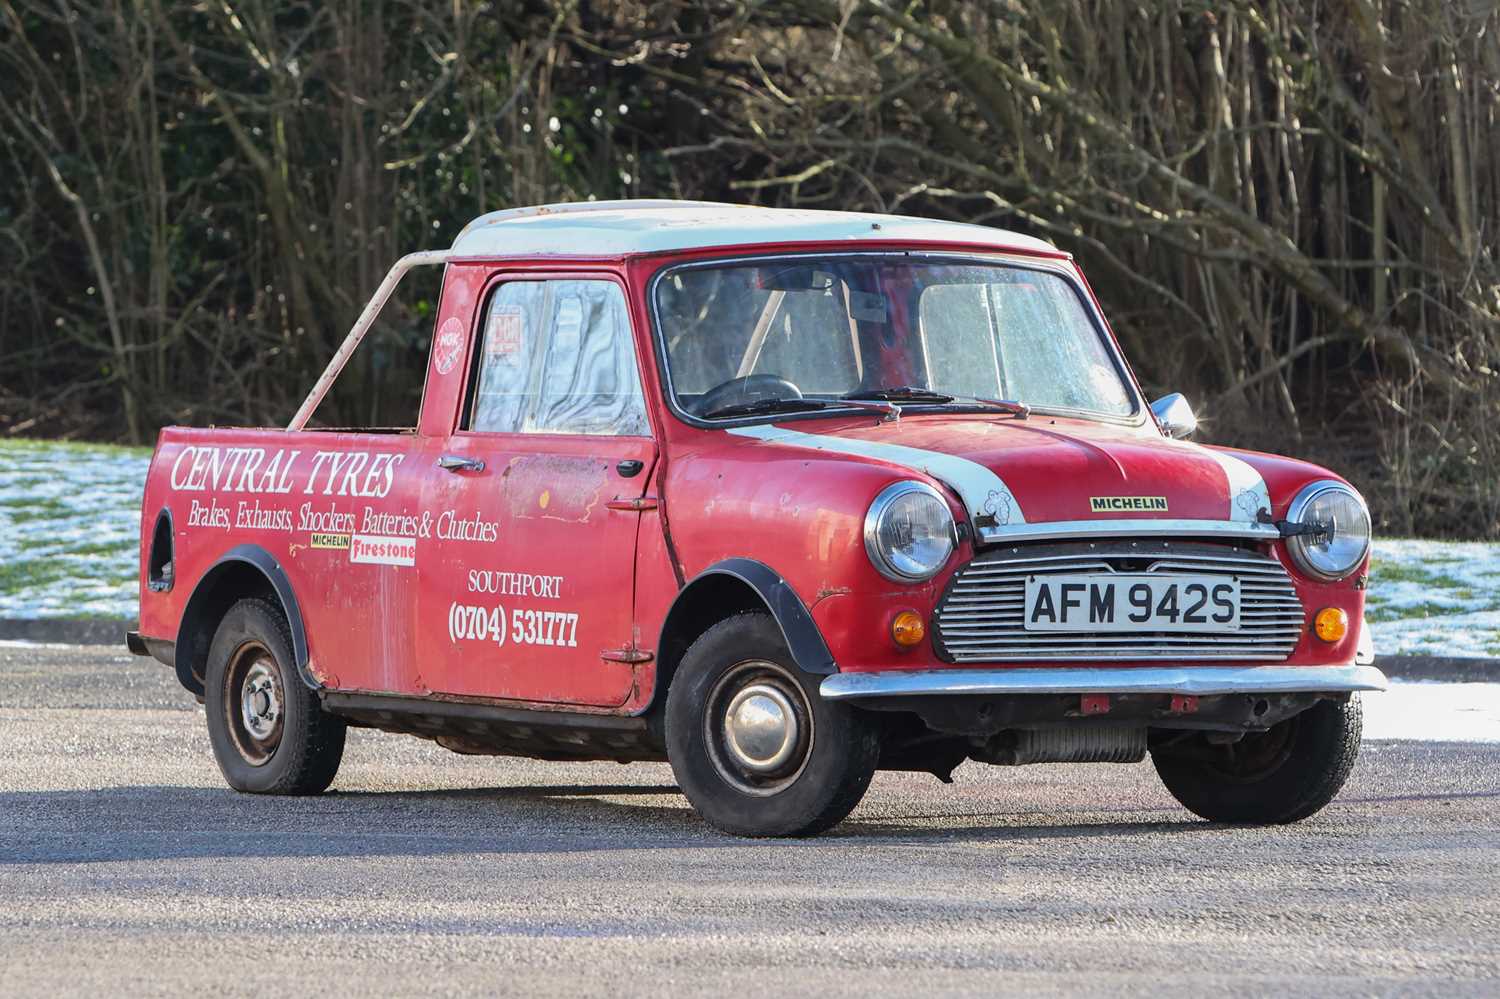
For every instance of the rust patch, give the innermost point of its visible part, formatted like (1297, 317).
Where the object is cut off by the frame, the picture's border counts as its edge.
(826, 591)
(554, 487)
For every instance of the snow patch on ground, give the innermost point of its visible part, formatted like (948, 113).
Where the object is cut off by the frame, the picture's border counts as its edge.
(69, 529)
(1434, 712)
(1436, 598)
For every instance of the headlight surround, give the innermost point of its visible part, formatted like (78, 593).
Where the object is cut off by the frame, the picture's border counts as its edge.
(909, 532)
(1334, 555)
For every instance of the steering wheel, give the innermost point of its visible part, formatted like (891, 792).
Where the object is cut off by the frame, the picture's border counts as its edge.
(750, 388)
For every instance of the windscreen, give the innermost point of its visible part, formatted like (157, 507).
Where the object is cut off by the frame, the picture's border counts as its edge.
(883, 326)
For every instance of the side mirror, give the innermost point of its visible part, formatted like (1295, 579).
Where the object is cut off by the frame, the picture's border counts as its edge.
(1175, 416)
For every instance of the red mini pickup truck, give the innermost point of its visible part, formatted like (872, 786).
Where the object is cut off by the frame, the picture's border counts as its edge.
(782, 497)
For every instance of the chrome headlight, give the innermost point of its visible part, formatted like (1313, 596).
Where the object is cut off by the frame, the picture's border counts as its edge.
(1343, 538)
(909, 532)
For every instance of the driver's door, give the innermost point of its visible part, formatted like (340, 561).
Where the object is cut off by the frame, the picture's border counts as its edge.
(536, 498)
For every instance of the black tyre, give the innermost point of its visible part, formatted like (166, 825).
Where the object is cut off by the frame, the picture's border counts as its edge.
(755, 748)
(270, 735)
(1281, 775)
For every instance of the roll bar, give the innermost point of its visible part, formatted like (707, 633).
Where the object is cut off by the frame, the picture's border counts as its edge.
(361, 327)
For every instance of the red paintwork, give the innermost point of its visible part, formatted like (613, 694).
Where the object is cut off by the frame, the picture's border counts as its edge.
(550, 499)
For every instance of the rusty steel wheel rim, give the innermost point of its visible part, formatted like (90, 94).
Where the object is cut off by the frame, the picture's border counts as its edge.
(254, 703)
(758, 728)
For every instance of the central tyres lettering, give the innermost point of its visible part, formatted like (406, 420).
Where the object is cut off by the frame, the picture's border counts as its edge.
(233, 469)
(254, 470)
(1122, 504)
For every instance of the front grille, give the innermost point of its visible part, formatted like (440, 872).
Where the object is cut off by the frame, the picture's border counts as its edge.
(980, 617)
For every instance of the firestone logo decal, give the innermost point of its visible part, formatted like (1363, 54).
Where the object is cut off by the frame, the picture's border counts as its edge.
(449, 343)
(382, 550)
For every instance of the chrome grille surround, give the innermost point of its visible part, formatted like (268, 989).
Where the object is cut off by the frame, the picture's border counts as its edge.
(979, 618)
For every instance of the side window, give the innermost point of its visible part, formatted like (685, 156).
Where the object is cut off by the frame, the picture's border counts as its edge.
(557, 357)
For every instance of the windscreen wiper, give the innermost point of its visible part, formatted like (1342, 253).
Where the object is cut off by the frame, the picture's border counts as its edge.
(1019, 409)
(761, 407)
(898, 393)
(911, 393)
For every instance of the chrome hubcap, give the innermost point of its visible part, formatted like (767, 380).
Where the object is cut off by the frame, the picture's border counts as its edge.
(760, 728)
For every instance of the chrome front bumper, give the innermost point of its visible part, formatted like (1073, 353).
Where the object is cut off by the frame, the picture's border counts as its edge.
(1201, 681)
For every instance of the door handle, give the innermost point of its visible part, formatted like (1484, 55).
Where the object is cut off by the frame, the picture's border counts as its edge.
(458, 463)
(630, 467)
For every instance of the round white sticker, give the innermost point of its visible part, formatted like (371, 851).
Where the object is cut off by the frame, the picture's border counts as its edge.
(449, 344)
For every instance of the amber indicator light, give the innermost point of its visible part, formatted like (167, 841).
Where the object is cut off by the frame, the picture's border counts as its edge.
(907, 629)
(1331, 624)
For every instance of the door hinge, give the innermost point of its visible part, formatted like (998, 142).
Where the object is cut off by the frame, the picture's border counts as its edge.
(638, 503)
(628, 654)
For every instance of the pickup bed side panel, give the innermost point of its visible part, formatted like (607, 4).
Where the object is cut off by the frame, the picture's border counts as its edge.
(338, 512)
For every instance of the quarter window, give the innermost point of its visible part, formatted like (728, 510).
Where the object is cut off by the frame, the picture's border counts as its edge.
(557, 357)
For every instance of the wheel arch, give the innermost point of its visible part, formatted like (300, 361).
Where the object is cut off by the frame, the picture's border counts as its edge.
(244, 571)
(737, 586)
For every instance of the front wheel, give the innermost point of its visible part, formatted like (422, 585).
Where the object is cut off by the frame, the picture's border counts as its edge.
(269, 733)
(754, 747)
(1281, 775)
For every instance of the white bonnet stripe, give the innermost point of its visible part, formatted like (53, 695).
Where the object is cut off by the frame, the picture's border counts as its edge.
(1248, 494)
(984, 493)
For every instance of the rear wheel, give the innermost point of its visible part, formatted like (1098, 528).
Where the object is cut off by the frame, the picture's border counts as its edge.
(1281, 775)
(754, 747)
(269, 733)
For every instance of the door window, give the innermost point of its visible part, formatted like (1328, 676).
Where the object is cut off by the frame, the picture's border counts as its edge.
(557, 357)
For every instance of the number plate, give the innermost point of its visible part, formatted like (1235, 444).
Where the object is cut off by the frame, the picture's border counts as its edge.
(1121, 602)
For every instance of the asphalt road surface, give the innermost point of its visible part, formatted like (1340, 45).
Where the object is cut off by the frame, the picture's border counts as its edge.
(127, 866)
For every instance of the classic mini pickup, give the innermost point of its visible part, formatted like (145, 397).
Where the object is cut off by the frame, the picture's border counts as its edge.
(780, 497)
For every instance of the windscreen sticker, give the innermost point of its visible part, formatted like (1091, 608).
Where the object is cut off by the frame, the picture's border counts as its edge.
(868, 307)
(504, 339)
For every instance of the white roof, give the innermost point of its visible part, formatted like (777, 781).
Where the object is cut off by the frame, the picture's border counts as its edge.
(617, 228)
